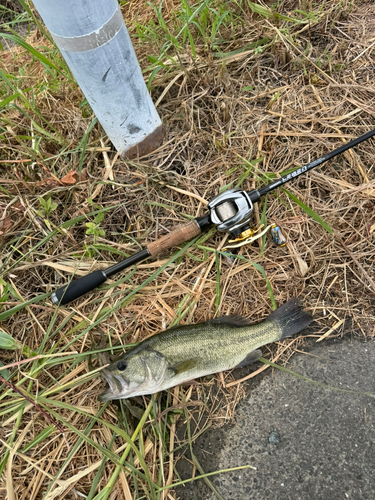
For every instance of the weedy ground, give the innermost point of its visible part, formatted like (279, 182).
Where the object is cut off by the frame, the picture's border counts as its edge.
(246, 91)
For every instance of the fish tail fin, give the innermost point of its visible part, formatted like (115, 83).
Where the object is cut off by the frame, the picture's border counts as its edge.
(291, 317)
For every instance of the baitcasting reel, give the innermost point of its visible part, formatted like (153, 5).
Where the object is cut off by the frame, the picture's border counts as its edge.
(231, 211)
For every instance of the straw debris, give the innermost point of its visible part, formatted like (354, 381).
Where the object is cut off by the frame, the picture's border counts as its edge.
(258, 97)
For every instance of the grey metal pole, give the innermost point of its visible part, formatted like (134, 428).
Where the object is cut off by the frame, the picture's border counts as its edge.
(94, 41)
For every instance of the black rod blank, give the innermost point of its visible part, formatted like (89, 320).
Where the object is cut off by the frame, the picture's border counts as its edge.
(315, 163)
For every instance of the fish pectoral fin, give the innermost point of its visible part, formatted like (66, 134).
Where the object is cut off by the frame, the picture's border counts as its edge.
(184, 366)
(250, 358)
(192, 381)
(230, 321)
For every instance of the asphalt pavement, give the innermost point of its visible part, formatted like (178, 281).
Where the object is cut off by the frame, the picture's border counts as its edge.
(305, 442)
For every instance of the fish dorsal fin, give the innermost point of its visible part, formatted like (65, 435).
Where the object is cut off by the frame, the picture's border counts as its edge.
(185, 366)
(235, 320)
(250, 358)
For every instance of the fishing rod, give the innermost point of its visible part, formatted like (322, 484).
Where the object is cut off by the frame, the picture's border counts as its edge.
(229, 212)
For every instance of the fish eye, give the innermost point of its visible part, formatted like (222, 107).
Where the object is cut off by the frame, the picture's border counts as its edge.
(121, 365)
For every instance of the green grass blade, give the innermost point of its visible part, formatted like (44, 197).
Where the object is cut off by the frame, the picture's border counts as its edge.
(4, 459)
(104, 451)
(65, 225)
(39, 438)
(8, 342)
(7, 314)
(258, 9)
(218, 288)
(40, 25)
(4, 373)
(98, 475)
(109, 487)
(208, 474)
(315, 382)
(73, 451)
(35, 53)
(263, 220)
(264, 12)
(309, 211)
(83, 144)
(258, 267)
(8, 100)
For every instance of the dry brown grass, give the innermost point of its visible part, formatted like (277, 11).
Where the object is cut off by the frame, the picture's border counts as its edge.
(313, 88)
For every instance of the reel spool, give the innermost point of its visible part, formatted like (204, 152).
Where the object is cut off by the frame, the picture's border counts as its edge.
(231, 211)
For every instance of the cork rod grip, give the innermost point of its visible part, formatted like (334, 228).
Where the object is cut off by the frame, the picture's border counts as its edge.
(178, 235)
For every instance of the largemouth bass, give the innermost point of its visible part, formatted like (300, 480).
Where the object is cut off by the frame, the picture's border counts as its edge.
(184, 353)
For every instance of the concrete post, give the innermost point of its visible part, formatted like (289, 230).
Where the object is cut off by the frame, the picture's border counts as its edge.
(94, 41)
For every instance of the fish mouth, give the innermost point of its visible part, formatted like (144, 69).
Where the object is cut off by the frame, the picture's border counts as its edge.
(117, 387)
